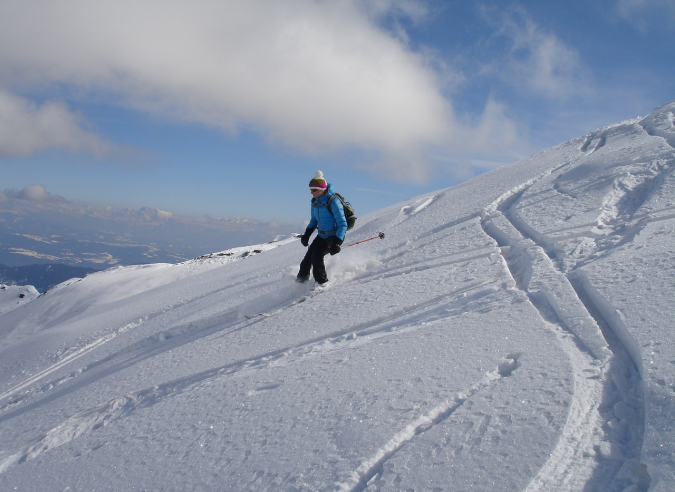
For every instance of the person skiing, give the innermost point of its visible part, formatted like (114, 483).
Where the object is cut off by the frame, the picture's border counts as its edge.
(327, 215)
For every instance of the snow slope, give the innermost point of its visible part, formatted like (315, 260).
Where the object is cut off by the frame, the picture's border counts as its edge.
(510, 333)
(13, 296)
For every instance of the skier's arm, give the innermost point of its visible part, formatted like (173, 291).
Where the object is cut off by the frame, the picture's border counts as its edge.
(312, 221)
(340, 219)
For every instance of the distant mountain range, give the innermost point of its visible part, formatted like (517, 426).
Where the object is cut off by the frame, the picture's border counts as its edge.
(52, 230)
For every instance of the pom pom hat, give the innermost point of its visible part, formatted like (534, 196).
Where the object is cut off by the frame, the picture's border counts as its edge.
(318, 183)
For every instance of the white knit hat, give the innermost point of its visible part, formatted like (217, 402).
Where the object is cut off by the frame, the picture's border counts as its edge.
(318, 183)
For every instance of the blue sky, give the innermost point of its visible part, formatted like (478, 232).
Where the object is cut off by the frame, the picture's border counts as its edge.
(226, 108)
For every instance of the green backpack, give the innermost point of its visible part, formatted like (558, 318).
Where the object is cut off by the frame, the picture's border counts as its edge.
(349, 210)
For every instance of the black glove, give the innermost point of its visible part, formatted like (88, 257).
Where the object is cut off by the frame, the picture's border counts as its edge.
(304, 239)
(334, 245)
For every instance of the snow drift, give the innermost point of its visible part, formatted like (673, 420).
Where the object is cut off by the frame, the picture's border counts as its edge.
(510, 333)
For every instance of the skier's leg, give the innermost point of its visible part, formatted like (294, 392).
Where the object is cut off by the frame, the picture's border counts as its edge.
(318, 266)
(305, 265)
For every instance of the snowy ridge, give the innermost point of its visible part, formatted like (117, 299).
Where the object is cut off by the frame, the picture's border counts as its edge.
(14, 296)
(509, 333)
(239, 253)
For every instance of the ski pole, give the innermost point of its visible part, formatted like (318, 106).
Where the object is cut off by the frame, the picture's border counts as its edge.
(380, 235)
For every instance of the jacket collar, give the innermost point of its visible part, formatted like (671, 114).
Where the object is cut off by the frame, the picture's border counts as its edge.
(324, 198)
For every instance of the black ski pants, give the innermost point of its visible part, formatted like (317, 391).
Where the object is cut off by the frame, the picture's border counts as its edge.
(314, 260)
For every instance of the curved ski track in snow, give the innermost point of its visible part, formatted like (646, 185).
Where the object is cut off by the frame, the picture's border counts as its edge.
(524, 262)
(588, 449)
(373, 467)
(90, 420)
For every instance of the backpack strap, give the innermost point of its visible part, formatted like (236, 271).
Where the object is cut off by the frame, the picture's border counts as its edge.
(330, 199)
(327, 204)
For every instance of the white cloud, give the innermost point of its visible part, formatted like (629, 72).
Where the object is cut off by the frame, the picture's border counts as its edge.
(643, 13)
(26, 128)
(34, 193)
(538, 60)
(487, 142)
(314, 75)
(629, 7)
(411, 9)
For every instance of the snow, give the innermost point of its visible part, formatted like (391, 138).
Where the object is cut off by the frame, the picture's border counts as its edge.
(13, 296)
(513, 332)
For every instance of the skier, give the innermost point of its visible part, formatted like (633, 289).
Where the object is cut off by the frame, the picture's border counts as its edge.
(327, 215)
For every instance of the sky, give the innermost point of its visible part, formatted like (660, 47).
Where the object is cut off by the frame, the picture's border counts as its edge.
(511, 333)
(227, 108)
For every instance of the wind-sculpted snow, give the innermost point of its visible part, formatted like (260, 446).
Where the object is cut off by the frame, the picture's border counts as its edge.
(13, 296)
(510, 333)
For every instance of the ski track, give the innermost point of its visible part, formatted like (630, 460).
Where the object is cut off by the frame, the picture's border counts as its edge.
(163, 341)
(87, 421)
(68, 359)
(577, 435)
(373, 467)
(602, 354)
(413, 208)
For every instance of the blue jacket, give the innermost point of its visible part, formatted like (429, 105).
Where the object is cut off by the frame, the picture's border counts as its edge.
(328, 224)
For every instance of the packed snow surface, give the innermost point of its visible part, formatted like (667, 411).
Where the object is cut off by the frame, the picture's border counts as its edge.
(514, 332)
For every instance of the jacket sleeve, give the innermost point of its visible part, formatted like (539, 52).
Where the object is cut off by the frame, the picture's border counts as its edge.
(313, 222)
(340, 219)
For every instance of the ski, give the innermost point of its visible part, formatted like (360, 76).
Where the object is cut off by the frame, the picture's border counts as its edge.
(252, 316)
(277, 311)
